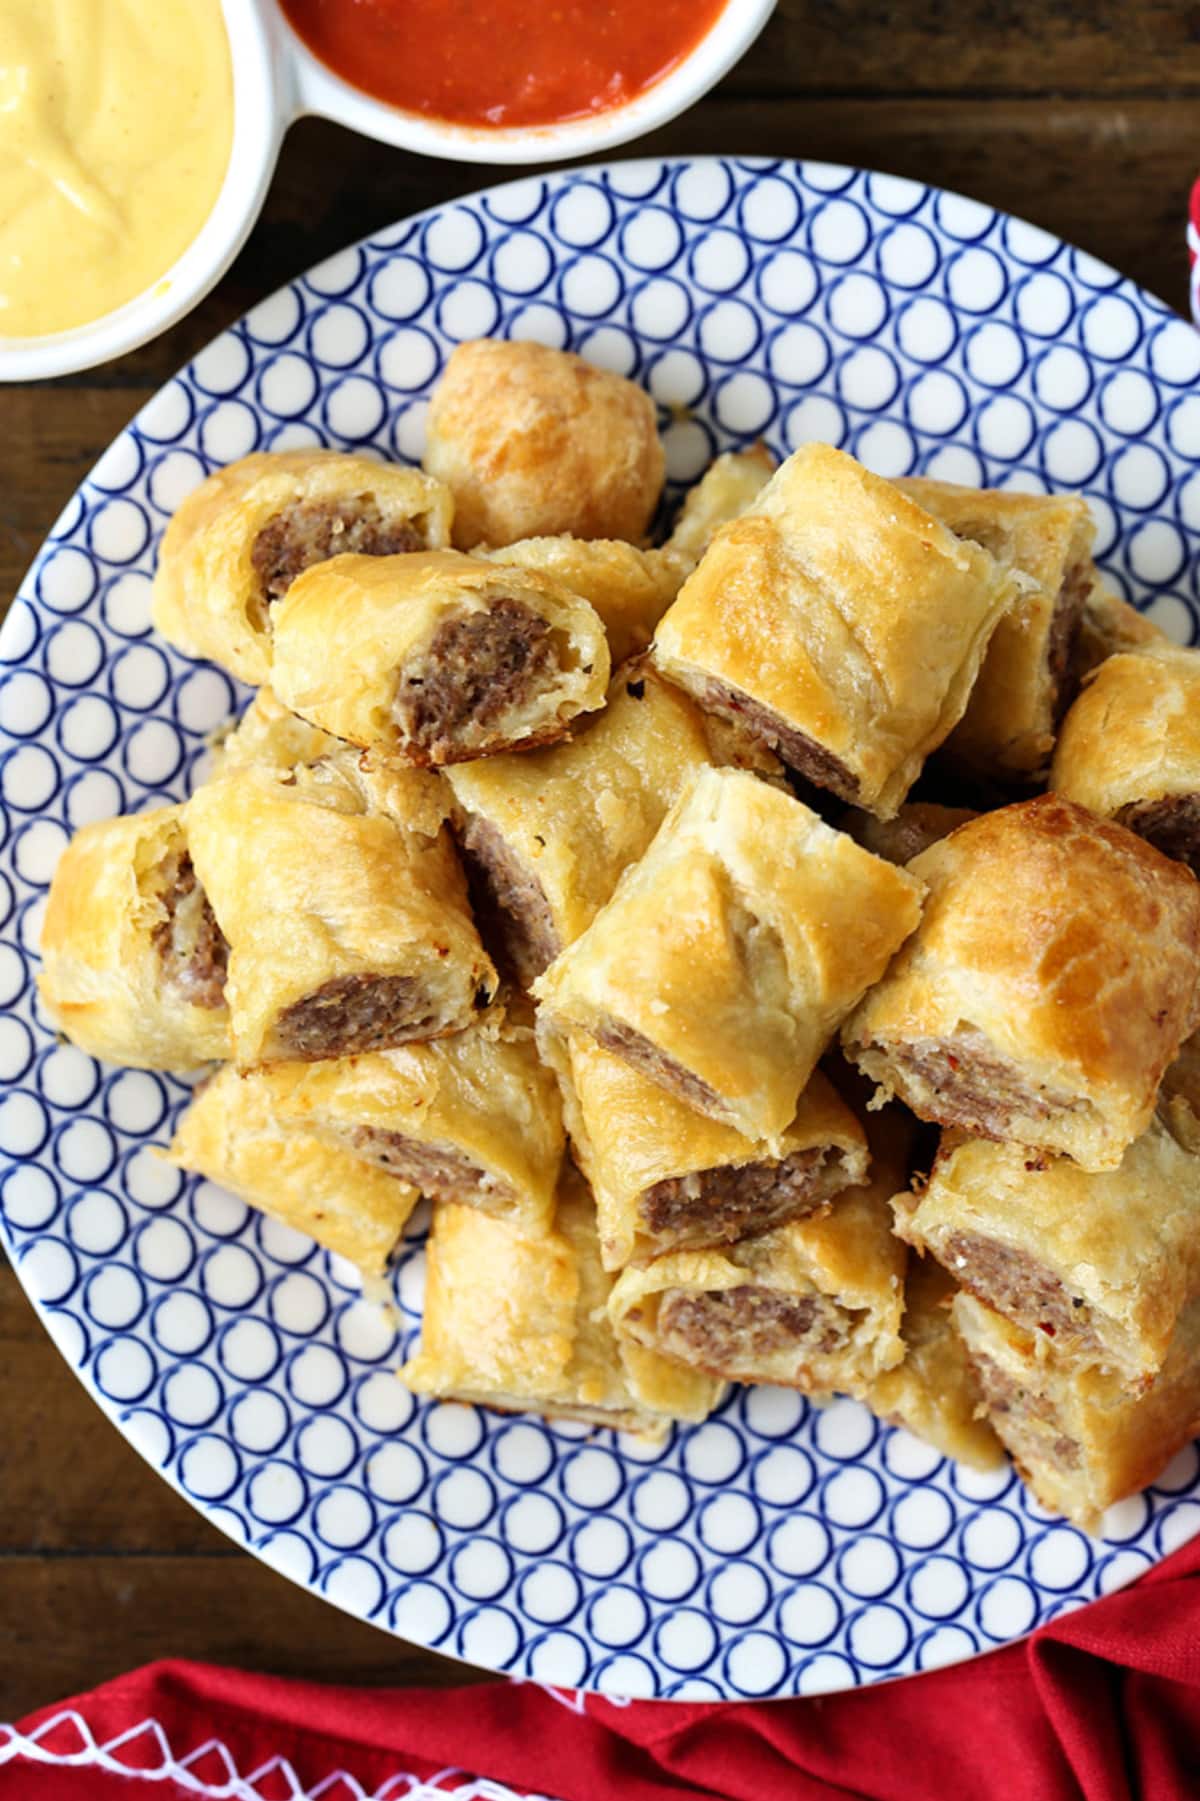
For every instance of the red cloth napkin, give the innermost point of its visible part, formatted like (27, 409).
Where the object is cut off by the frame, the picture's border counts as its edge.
(1103, 1705)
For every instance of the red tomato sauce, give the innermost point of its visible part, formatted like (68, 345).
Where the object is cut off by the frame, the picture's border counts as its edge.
(502, 62)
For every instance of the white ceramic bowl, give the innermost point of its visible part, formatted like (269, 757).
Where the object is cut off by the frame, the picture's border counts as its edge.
(277, 80)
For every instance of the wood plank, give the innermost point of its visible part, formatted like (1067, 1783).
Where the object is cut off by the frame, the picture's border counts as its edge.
(855, 47)
(68, 1623)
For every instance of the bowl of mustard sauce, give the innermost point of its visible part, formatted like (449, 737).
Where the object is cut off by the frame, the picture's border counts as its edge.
(137, 141)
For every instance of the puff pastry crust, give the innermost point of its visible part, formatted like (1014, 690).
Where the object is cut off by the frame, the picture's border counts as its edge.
(232, 1134)
(236, 543)
(728, 488)
(133, 963)
(630, 588)
(437, 657)
(668, 1178)
(348, 931)
(1049, 985)
(721, 967)
(814, 1305)
(1097, 1266)
(550, 831)
(841, 622)
(533, 441)
(1023, 684)
(934, 1392)
(517, 1322)
(1080, 1436)
(1130, 748)
(473, 1118)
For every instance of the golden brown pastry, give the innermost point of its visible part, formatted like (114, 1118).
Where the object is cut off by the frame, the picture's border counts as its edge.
(840, 622)
(1098, 1266)
(270, 733)
(934, 1393)
(517, 1321)
(436, 658)
(533, 441)
(1080, 1436)
(1129, 748)
(1109, 626)
(915, 827)
(723, 963)
(348, 931)
(814, 1304)
(550, 831)
(133, 961)
(232, 1134)
(1024, 683)
(237, 542)
(473, 1118)
(630, 588)
(668, 1178)
(1051, 982)
(272, 737)
(729, 486)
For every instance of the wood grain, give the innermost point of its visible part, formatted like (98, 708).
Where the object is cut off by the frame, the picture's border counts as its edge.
(1082, 118)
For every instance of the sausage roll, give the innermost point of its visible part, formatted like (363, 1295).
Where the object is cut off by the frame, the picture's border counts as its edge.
(841, 623)
(133, 961)
(630, 588)
(1023, 686)
(517, 1321)
(533, 441)
(235, 545)
(437, 658)
(1051, 982)
(1097, 1266)
(729, 486)
(815, 1304)
(668, 1178)
(1109, 626)
(232, 1134)
(474, 1118)
(915, 827)
(348, 932)
(934, 1393)
(723, 964)
(549, 832)
(1130, 748)
(1080, 1436)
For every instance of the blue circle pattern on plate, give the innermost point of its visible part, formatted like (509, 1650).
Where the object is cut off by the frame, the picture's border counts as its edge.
(777, 1549)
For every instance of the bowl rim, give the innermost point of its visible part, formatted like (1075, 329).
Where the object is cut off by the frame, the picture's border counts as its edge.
(323, 92)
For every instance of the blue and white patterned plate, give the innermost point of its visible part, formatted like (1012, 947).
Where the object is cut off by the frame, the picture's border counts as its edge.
(778, 1549)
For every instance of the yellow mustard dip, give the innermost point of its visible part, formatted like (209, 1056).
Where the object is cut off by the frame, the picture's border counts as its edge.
(116, 118)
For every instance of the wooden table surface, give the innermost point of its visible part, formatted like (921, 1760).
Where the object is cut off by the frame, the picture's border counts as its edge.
(1084, 118)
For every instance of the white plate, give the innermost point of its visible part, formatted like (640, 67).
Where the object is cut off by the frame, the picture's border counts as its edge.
(777, 1549)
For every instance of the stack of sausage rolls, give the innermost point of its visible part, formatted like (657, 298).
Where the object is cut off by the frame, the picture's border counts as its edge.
(643, 906)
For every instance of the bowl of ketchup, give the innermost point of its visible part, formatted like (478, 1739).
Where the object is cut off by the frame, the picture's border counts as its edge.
(511, 81)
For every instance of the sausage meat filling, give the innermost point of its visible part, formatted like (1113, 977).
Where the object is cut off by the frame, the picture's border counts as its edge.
(354, 1014)
(312, 531)
(477, 667)
(194, 953)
